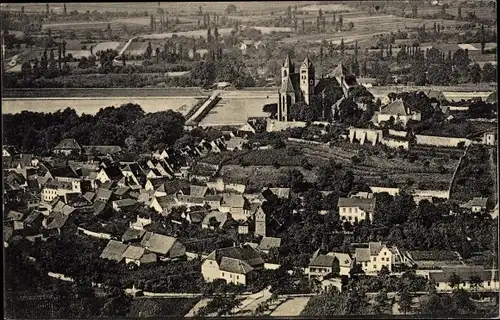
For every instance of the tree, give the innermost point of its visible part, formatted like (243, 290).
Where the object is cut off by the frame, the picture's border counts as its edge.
(300, 111)
(230, 9)
(405, 302)
(489, 73)
(293, 179)
(475, 73)
(149, 51)
(475, 281)
(454, 280)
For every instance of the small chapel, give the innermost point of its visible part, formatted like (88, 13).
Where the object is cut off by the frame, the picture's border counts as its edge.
(303, 86)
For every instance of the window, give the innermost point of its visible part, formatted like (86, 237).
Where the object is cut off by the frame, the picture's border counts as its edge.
(237, 277)
(350, 210)
(366, 264)
(223, 274)
(385, 253)
(374, 258)
(489, 283)
(374, 266)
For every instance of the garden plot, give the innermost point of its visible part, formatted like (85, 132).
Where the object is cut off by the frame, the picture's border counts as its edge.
(291, 308)
(103, 46)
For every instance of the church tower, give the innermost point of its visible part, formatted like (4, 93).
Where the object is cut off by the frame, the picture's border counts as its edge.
(287, 69)
(287, 91)
(307, 80)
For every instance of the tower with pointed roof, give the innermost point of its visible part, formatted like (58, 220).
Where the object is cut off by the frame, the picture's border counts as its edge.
(307, 79)
(287, 93)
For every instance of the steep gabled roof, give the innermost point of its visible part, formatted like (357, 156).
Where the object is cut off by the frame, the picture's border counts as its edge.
(397, 107)
(245, 253)
(158, 243)
(367, 205)
(362, 254)
(287, 85)
(269, 242)
(307, 63)
(322, 260)
(133, 252)
(233, 200)
(68, 144)
(113, 173)
(65, 172)
(114, 251)
(288, 62)
(234, 266)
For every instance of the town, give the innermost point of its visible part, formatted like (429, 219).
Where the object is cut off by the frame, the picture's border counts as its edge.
(335, 183)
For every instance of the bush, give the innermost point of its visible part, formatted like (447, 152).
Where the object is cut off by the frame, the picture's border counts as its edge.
(356, 160)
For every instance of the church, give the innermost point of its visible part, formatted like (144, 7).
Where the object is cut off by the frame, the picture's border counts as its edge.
(324, 93)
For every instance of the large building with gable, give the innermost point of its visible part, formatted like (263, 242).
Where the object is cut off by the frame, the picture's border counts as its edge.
(303, 86)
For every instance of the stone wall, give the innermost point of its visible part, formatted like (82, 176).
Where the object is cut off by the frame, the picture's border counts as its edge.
(391, 191)
(441, 141)
(365, 135)
(304, 141)
(398, 133)
(274, 125)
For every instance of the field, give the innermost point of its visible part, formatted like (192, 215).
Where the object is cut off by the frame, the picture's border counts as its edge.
(92, 105)
(235, 110)
(257, 177)
(291, 308)
(161, 307)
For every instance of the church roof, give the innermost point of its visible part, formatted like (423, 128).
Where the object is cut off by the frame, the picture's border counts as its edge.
(339, 71)
(324, 83)
(307, 63)
(288, 62)
(287, 85)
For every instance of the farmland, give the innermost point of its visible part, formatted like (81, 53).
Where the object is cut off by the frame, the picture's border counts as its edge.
(426, 168)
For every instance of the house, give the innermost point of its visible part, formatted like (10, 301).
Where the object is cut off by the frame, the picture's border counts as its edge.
(160, 154)
(487, 280)
(432, 260)
(163, 204)
(103, 194)
(281, 193)
(477, 204)
(246, 129)
(133, 172)
(233, 264)
(236, 205)
(113, 174)
(215, 219)
(356, 209)
(260, 218)
(243, 227)
(345, 262)
(213, 201)
(114, 251)
(437, 95)
(67, 146)
(268, 243)
(55, 222)
(164, 246)
(138, 255)
(375, 256)
(120, 205)
(54, 189)
(157, 185)
(133, 235)
(322, 265)
(141, 222)
(63, 174)
(194, 216)
(9, 151)
(398, 111)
